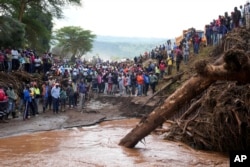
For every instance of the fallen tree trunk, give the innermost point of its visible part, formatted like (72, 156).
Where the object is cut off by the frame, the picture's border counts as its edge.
(236, 66)
(190, 89)
(175, 77)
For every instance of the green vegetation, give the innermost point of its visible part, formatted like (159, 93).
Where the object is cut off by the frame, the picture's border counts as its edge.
(11, 32)
(188, 70)
(117, 48)
(74, 40)
(28, 23)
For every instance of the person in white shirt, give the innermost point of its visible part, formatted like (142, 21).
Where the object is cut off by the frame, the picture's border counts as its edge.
(15, 62)
(38, 63)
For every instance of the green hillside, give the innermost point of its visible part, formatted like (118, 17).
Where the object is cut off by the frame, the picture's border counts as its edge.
(114, 48)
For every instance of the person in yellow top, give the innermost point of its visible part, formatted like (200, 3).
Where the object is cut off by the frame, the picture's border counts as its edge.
(33, 104)
(157, 71)
(170, 65)
(37, 95)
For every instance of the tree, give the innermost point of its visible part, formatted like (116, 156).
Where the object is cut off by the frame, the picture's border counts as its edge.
(11, 32)
(37, 17)
(38, 29)
(75, 40)
(18, 8)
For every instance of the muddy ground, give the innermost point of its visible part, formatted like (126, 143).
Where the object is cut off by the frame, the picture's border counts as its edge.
(101, 108)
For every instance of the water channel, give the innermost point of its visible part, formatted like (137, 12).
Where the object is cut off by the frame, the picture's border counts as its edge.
(97, 146)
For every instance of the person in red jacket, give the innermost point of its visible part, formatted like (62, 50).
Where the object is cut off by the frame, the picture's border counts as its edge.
(162, 68)
(3, 105)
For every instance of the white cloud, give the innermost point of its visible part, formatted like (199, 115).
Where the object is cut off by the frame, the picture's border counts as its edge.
(145, 18)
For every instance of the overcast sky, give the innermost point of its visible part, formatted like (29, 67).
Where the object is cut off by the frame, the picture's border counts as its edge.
(145, 18)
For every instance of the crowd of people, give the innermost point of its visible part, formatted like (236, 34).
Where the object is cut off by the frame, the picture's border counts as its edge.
(239, 17)
(13, 59)
(68, 86)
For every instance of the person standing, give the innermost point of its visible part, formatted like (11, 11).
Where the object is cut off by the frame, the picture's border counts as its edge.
(110, 83)
(208, 33)
(63, 98)
(196, 42)
(21, 100)
(242, 18)
(3, 106)
(9, 61)
(33, 101)
(76, 94)
(55, 93)
(170, 65)
(37, 64)
(27, 102)
(236, 18)
(153, 81)
(70, 95)
(2, 59)
(140, 82)
(133, 82)
(82, 94)
(179, 58)
(185, 52)
(32, 62)
(146, 83)
(126, 83)
(15, 61)
(157, 71)
(37, 97)
(99, 82)
(247, 14)
(46, 92)
(12, 96)
(115, 83)
(21, 62)
(105, 79)
(120, 84)
(162, 68)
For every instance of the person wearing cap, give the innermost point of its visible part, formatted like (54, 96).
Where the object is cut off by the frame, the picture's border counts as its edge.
(55, 93)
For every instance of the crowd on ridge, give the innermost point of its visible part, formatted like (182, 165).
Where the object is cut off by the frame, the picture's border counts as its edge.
(130, 78)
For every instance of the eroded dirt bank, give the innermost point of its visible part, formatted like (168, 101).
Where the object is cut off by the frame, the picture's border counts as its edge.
(103, 108)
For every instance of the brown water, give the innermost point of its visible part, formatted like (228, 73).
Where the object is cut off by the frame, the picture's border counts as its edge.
(98, 146)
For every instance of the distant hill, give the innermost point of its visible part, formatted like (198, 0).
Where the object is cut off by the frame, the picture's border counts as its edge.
(115, 48)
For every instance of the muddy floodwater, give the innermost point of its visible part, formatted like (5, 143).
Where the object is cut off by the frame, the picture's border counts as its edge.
(98, 146)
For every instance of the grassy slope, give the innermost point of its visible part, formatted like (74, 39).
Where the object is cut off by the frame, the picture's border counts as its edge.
(188, 69)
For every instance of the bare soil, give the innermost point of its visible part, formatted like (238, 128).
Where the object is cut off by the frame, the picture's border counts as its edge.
(102, 108)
